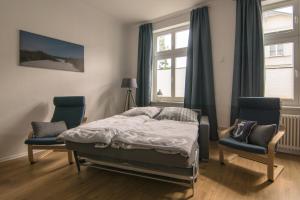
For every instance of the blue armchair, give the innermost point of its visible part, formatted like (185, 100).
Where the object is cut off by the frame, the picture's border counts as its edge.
(264, 111)
(71, 110)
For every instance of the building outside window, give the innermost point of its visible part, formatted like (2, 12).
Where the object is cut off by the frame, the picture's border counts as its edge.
(281, 34)
(276, 50)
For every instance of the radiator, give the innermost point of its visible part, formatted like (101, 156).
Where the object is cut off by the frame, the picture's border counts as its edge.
(290, 142)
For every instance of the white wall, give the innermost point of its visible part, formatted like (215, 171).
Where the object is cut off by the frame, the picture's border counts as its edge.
(222, 21)
(26, 93)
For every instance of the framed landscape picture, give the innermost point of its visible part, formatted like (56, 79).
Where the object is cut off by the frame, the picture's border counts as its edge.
(45, 52)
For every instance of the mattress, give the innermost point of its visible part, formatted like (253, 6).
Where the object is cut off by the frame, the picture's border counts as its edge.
(140, 157)
(138, 132)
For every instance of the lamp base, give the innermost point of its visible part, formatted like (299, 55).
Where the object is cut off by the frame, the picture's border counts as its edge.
(129, 98)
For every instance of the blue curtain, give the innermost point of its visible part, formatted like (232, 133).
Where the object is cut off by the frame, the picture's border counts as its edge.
(248, 75)
(199, 82)
(145, 49)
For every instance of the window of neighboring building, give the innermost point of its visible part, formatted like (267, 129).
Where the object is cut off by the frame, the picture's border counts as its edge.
(169, 64)
(276, 50)
(281, 34)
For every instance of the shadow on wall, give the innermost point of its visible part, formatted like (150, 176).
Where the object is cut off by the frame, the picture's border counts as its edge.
(110, 101)
(14, 134)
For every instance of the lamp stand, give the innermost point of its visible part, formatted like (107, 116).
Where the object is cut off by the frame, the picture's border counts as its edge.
(129, 97)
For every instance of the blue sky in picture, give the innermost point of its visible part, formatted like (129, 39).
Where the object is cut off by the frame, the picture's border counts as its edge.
(54, 47)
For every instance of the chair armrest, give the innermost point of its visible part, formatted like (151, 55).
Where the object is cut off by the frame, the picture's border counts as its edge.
(84, 120)
(225, 132)
(275, 139)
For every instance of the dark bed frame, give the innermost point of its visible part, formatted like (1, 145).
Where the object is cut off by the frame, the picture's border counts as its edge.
(129, 168)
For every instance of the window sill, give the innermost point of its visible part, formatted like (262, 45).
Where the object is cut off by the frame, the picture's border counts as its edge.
(292, 110)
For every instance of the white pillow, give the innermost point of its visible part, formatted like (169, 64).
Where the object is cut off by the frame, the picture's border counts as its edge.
(149, 111)
(178, 114)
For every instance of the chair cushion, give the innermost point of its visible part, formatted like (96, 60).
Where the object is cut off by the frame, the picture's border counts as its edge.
(71, 101)
(263, 103)
(43, 141)
(261, 135)
(230, 142)
(243, 130)
(263, 110)
(48, 129)
(70, 110)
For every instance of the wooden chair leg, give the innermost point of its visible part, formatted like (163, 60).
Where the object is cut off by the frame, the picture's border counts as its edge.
(30, 154)
(270, 166)
(221, 156)
(270, 172)
(273, 170)
(70, 157)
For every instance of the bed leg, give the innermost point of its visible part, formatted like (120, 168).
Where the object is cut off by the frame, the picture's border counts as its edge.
(77, 161)
(194, 179)
(70, 158)
(193, 188)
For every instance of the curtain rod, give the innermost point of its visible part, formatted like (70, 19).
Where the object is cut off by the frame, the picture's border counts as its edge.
(206, 3)
(177, 13)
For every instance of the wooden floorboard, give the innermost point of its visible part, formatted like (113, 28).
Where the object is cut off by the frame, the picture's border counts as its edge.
(53, 178)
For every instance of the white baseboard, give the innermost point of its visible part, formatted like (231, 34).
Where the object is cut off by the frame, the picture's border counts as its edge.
(15, 156)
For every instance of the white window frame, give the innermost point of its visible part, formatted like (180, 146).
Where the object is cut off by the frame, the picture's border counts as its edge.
(289, 36)
(168, 54)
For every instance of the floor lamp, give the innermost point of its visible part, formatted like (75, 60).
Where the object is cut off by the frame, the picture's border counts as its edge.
(129, 83)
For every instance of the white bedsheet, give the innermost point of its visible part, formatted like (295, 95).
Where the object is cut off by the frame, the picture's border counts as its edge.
(102, 131)
(139, 132)
(166, 136)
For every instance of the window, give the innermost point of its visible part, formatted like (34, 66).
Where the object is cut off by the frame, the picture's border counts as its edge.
(170, 50)
(164, 43)
(279, 72)
(281, 45)
(276, 50)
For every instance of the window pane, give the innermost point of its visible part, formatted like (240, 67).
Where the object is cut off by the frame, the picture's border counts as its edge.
(164, 78)
(279, 71)
(164, 42)
(279, 19)
(272, 50)
(180, 67)
(180, 62)
(280, 50)
(182, 39)
(276, 50)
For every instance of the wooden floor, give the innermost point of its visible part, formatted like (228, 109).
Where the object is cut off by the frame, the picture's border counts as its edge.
(53, 178)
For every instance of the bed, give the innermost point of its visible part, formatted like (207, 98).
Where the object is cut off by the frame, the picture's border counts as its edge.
(142, 145)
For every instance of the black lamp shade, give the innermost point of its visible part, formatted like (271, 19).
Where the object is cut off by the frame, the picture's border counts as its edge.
(129, 83)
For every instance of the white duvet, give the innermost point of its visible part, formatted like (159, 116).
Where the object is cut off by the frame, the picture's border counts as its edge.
(139, 132)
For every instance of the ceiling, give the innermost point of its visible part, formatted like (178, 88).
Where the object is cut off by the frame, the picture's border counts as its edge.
(133, 11)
